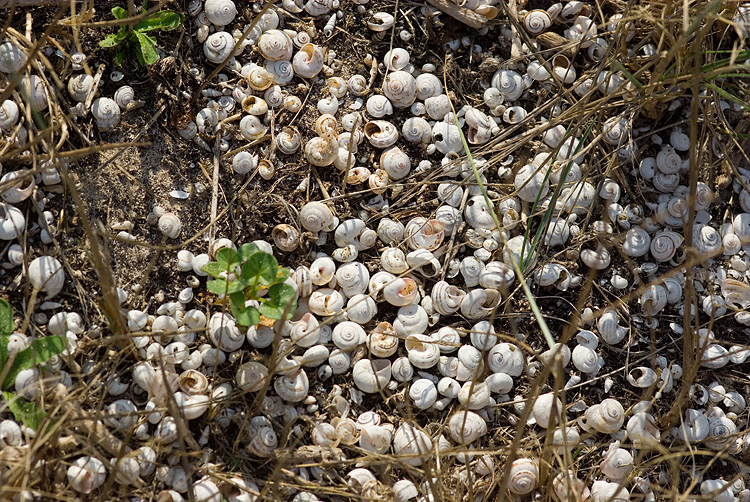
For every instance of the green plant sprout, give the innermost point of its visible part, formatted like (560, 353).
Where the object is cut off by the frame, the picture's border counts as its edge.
(136, 37)
(258, 271)
(40, 350)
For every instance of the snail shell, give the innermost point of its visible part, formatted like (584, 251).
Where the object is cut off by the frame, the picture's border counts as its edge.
(380, 21)
(567, 487)
(523, 476)
(220, 12)
(604, 491)
(411, 319)
(325, 302)
(381, 133)
(308, 61)
(281, 73)
(416, 130)
(606, 417)
(275, 45)
(426, 234)
(12, 58)
(412, 445)
(371, 376)
(466, 427)
(396, 59)
(288, 140)
(86, 474)
(353, 278)
(446, 298)
(531, 183)
(124, 96)
(400, 88)
(361, 309)
(546, 408)
(423, 393)
(506, 358)
(286, 237)
(321, 151)
(390, 231)
(537, 21)
(218, 46)
(393, 260)
(375, 438)
(244, 162)
(251, 376)
(170, 225)
(316, 217)
(428, 85)
(252, 128)
(637, 242)
(598, 259)
(642, 377)
(382, 341)
(422, 351)
(79, 87)
(348, 335)
(509, 83)
(480, 303)
(653, 299)
(292, 387)
(106, 113)
(358, 85)
(379, 106)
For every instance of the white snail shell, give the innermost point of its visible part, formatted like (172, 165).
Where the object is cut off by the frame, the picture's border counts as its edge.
(286, 237)
(506, 358)
(288, 140)
(124, 96)
(361, 308)
(390, 231)
(466, 427)
(422, 233)
(79, 87)
(411, 444)
(106, 113)
(12, 58)
(325, 302)
(604, 491)
(446, 298)
(86, 474)
(422, 352)
(382, 341)
(523, 476)
(546, 408)
(316, 217)
(530, 183)
(537, 21)
(417, 130)
(223, 332)
(275, 45)
(480, 303)
(393, 260)
(19, 191)
(396, 59)
(292, 387)
(437, 107)
(46, 274)
(400, 88)
(321, 151)
(308, 61)
(423, 393)
(643, 431)
(598, 259)
(509, 83)
(637, 242)
(218, 46)
(428, 85)
(380, 21)
(170, 225)
(411, 320)
(567, 487)
(220, 12)
(371, 376)
(348, 335)
(251, 376)
(446, 136)
(10, 434)
(606, 417)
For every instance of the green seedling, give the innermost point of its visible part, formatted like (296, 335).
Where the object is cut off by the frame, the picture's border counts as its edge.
(245, 274)
(40, 350)
(137, 37)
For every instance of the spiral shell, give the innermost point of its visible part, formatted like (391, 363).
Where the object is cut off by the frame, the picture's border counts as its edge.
(170, 225)
(509, 83)
(381, 133)
(707, 240)
(606, 417)
(244, 162)
(358, 85)
(251, 376)
(466, 427)
(537, 21)
(523, 476)
(416, 130)
(325, 302)
(106, 113)
(382, 341)
(321, 151)
(506, 358)
(292, 387)
(286, 237)
(446, 298)
(531, 183)
(218, 46)
(79, 87)
(598, 259)
(371, 375)
(480, 303)
(252, 128)
(617, 463)
(308, 62)
(12, 58)
(275, 45)
(220, 12)
(400, 88)
(288, 140)
(353, 278)
(422, 233)
(282, 72)
(396, 59)
(379, 106)
(422, 351)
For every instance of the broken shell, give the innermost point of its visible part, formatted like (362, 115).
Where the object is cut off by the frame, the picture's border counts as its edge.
(308, 61)
(86, 474)
(642, 377)
(286, 237)
(371, 376)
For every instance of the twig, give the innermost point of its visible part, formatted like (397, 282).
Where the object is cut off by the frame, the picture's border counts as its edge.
(215, 191)
(466, 16)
